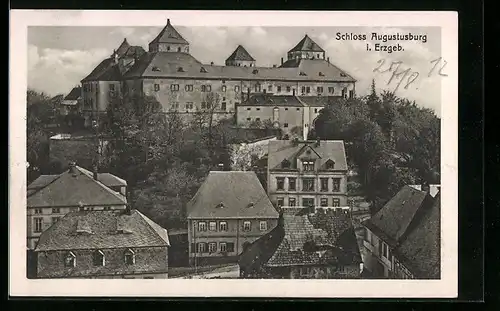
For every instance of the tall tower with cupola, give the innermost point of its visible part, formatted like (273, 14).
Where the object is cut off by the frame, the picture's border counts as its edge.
(169, 40)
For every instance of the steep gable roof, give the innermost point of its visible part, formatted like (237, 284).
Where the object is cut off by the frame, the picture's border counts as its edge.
(307, 44)
(240, 54)
(280, 150)
(319, 69)
(169, 35)
(99, 70)
(68, 189)
(124, 46)
(104, 229)
(236, 191)
(75, 94)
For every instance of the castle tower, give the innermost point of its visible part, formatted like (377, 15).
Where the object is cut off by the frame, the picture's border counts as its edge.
(169, 40)
(306, 49)
(240, 57)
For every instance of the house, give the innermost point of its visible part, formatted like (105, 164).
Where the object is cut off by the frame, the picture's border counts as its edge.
(402, 240)
(319, 245)
(307, 173)
(294, 115)
(111, 244)
(50, 197)
(229, 211)
(71, 104)
(244, 154)
(183, 84)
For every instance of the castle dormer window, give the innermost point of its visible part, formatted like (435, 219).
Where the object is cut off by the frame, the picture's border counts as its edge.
(155, 68)
(180, 69)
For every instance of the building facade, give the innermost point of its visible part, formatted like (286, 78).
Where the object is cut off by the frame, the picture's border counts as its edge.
(402, 240)
(307, 173)
(181, 83)
(121, 244)
(50, 197)
(228, 212)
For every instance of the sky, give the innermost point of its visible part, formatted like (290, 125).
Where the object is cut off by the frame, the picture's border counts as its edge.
(60, 56)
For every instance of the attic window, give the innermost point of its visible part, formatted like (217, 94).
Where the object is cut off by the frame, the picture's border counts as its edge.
(251, 205)
(343, 74)
(220, 205)
(285, 163)
(302, 73)
(180, 69)
(202, 69)
(129, 257)
(255, 71)
(330, 164)
(98, 259)
(70, 260)
(155, 68)
(321, 74)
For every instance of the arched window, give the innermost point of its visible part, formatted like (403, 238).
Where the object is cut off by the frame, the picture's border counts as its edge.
(129, 257)
(98, 258)
(70, 260)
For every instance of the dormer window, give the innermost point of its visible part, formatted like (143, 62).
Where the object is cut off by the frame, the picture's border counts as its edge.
(98, 258)
(330, 164)
(321, 74)
(180, 69)
(285, 164)
(155, 68)
(202, 69)
(255, 71)
(220, 205)
(302, 73)
(343, 74)
(251, 205)
(70, 260)
(129, 257)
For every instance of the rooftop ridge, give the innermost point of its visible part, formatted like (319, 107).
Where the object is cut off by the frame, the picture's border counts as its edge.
(89, 175)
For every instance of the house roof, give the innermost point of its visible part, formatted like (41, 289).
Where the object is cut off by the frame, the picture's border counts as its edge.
(285, 245)
(307, 44)
(421, 250)
(133, 51)
(124, 46)
(68, 189)
(169, 35)
(236, 191)
(74, 94)
(167, 65)
(267, 99)
(279, 150)
(104, 68)
(319, 101)
(240, 54)
(393, 220)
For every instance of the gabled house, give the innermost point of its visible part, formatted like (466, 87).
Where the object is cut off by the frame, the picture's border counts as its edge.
(72, 103)
(320, 245)
(50, 197)
(229, 211)
(307, 173)
(103, 244)
(402, 240)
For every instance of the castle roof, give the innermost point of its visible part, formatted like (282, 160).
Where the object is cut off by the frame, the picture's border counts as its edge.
(307, 44)
(240, 54)
(122, 48)
(169, 35)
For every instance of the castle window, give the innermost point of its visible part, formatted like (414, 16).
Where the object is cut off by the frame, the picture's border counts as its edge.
(263, 225)
(278, 88)
(323, 202)
(336, 185)
(257, 119)
(202, 226)
(38, 224)
(111, 87)
(203, 105)
(324, 184)
(248, 109)
(247, 226)
(189, 88)
(308, 89)
(236, 88)
(255, 71)
(292, 202)
(319, 89)
(344, 92)
(257, 108)
(343, 74)
(157, 87)
(318, 56)
(206, 88)
(270, 88)
(201, 247)
(249, 119)
(212, 226)
(174, 87)
(189, 105)
(223, 226)
(285, 125)
(223, 106)
(303, 90)
(331, 90)
(212, 247)
(285, 163)
(98, 258)
(292, 183)
(223, 247)
(223, 88)
(56, 210)
(129, 257)
(70, 260)
(168, 48)
(307, 184)
(335, 202)
(178, 49)
(280, 183)
(351, 93)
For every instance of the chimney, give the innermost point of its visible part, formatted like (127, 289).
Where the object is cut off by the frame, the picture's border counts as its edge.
(168, 21)
(72, 168)
(282, 61)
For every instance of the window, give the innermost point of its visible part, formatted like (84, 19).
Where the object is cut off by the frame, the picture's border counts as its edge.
(330, 165)
(331, 90)
(155, 68)
(307, 202)
(98, 258)
(70, 260)
(292, 202)
(202, 69)
(307, 184)
(263, 225)
(292, 183)
(344, 92)
(230, 247)
(223, 106)
(201, 247)
(257, 87)
(280, 202)
(248, 109)
(303, 89)
(38, 224)
(315, 110)
(323, 202)
(212, 247)
(129, 257)
(336, 202)
(189, 88)
(224, 88)
(257, 119)
(288, 89)
(178, 49)
(319, 89)
(236, 88)
(308, 166)
(203, 105)
(278, 88)
(111, 87)
(55, 219)
(285, 125)
(321, 74)
(202, 226)
(148, 278)
(298, 109)
(209, 105)
(223, 226)
(308, 89)
(324, 184)
(175, 105)
(247, 226)
(206, 88)
(223, 247)
(351, 94)
(168, 48)
(249, 119)
(286, 109)
(304, 270)
(336, 185)
(385, 250)
(280, 183)
(157, 87)
(212, 226)
(189, 105)
(270, 88)
(258, 109)
(174, 87)
(38, 211)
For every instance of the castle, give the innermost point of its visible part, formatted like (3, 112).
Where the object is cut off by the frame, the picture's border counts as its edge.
(182, 83)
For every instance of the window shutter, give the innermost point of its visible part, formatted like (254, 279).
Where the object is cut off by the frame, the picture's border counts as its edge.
(230, 247)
